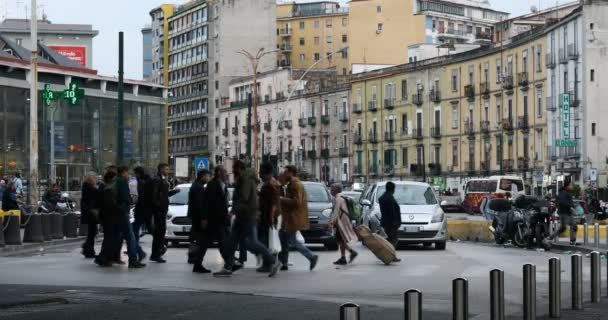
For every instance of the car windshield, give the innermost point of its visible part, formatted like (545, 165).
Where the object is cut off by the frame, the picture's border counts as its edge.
(316, 193)
(411, 194)
(180, 198)
(481, 186)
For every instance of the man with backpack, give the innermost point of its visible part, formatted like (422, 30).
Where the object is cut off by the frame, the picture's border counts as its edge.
(341, 221)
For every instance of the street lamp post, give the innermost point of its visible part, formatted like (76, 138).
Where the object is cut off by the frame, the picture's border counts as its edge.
(33, 178)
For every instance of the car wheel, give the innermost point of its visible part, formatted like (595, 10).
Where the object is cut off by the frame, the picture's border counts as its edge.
(440, 245)
(331, 246)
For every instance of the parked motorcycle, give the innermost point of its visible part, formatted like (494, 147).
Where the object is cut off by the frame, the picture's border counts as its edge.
(520, 222)
(504, 221)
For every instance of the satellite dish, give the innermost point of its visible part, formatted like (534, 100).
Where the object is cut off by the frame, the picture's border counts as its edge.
(533, 9)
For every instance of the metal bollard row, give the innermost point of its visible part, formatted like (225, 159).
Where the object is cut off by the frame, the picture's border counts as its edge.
(577, 281)
(460, 299)
(497, 295)
(529, 273)
(555, 288)
(412, 300)
(350, 311)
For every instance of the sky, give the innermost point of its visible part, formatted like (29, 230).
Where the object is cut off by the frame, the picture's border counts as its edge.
(111, 16)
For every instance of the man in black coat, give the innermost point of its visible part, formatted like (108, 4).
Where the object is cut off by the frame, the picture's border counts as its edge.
(143, 214)
(158, 200)
(391, 214)
(565, 205)
(213, 220)
(89, 214)
(196, 210)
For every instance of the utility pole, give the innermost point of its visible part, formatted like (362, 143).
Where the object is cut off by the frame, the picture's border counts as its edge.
(33, 178)
(121, 121)
(249, 101)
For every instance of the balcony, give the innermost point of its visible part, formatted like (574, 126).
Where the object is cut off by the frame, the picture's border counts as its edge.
(285, 64)
(237, 104)
(452, 34)
(417, 133)
(550, 60)
(470, 167)
(436, 132)
(373, 137)
(357, 108)
(371, 106)
(469, 91)
(435, 169)
(343, 116)
(358, 139)
(507, 124)
(267, 126)
(469, 129)
(312, 121)
(551, 104)
(417, 169)
(484, 127)
(487, 36)
(286, 47)
(418, 99)
(572, 52)
(288, 156)
(523, 163)
(311, 154)
(435, 95)
(373, 170)
(405, 131)
(302, 122)
(507, 82)
(343, 152)
(325, 153)
(325, 119)
(507, 165)
(522, 123)
(287, 124)
(285, 32)
(484, 89)
(389, 170)
(244, 129)
(389, 104)
(563, 58)
(389, 136)
(235, 130)
(522, 79)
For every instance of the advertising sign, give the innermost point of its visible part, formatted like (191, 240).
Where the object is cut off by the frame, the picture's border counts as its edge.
(181, 167)
(61, 147)
(128, 143)
(77, 54)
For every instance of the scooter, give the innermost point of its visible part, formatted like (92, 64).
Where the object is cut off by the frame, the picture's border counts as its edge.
(505, 220)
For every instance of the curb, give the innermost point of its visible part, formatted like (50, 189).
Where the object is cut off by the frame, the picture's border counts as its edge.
(586, 250)
(11, 250)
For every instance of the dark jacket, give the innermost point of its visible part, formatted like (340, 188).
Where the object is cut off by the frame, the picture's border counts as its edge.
(160, 193)
(216, 202)
(391, 213)
(270, 196)
(245, 199)
(142, 207)
(9, 201)
(196, 207)
(123, 195)
(565, 202)
(52, 198)
(88, 202)
(109, 212)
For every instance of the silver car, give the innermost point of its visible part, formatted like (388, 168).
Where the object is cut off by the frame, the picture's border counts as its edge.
(422, 219)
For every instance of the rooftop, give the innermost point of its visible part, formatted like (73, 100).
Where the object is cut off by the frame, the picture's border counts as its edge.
(46, 26)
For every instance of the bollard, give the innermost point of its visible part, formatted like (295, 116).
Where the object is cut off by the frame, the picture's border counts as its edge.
(596, 235)
(412, 300)
(460, 299)
(2, 232)
(12, 230)
(555, 287)
(33, 229)
(83, 230)
(56, 226)
(70, 225)
(350, 311)
(596, 277)
(577, 281)
(497, 294)
(586, 234)
(47, 223)
(529, 292)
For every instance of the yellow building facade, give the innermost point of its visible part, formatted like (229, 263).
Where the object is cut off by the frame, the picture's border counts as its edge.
(478, 113)
(313, 34)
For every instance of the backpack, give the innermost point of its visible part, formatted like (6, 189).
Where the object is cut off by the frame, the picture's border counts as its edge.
(350, 204)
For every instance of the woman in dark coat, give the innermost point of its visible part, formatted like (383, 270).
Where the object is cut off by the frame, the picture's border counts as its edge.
(89, 214)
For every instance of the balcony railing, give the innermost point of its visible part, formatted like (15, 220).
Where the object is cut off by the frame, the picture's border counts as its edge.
(522, 79)
(343, 116)
(417, 132)
(373, 169)
(523, 163)
(371, 106)
(389, 136)
(418, 99)
(484, 89)
(285, 63)
(436, 132)
(235, 130)
(389, 104)
(435, 169)
(507, 82)
(285, 32)
(373, 137)
(469, 91)
(563, 58)
(325, 119)
(312, 121)
(357, 170)
(470, 167)
(435, 95)
(302, 122)
(389, 170)
(572, 52)
(286, 47)
(484, 165)
(225, 132)
(507, 164)
(357, 108)
(325, 153)
(522, 123)
(484, 126)
(311, 154)
(267, 126)
(358, 139)
(343, 152)
(287, 124)
(507, 124)
(484, 36)
(469, 128)
(405, 131)
(550, 60)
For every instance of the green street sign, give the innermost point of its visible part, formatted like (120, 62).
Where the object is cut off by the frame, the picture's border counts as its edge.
(71, 95)
(565, 143)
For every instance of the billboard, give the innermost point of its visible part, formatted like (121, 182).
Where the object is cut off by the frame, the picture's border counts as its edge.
(77, 54)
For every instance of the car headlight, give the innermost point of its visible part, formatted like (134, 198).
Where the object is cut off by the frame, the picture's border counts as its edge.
(438, 216)
(326, 213)
(169, 216)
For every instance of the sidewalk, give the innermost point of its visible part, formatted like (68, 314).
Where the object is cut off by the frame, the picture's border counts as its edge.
(564, 245)
(24, 248)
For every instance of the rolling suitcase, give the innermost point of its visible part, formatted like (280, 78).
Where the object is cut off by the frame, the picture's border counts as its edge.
(379, 246)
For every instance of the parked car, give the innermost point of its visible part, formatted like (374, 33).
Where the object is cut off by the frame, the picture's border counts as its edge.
(178, 223)
(423, 220)
(319, 212)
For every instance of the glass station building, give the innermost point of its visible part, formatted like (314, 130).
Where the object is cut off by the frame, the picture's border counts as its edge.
(85, 136)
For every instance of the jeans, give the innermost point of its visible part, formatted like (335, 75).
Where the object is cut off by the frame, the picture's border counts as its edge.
(134, 250)
(160, 228)
(289, 240)
(245, 230)
(88, 247)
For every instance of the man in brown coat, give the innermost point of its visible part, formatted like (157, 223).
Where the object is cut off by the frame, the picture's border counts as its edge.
(294, 206)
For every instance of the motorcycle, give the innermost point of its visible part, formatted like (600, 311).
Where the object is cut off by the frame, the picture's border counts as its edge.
(504, 221)
(521, 222)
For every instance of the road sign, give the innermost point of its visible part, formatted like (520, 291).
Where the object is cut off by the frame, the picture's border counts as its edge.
(593, 174)
(201, 164)
(71, 95)
(566, 116)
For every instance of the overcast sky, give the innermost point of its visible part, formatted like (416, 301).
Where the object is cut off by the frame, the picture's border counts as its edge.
(111, 16)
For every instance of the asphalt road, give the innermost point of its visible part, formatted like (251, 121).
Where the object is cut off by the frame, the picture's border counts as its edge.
(173, 291)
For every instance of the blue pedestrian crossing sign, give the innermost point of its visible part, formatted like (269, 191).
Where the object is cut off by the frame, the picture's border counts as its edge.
(201, 164)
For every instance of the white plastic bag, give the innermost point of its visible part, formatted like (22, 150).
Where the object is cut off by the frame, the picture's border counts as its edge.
(274, 241)
(300, 237)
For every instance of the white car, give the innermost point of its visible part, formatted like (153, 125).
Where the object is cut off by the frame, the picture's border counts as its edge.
(178, 223)
(422, 219)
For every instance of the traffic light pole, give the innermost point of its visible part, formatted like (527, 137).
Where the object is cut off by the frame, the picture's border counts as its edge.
(53, 173)
(121, 121)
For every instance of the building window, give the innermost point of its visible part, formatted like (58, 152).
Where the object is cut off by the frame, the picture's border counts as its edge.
(217, 67)
(498, 70)
(379, 9)
(328, 23)
(379, 29)
(454, 80)
(344, 54)
(404, 90)
(302, 41)
(404, 129)
(302, 57)
(539, 58)
(593, 129)
(344, 22)
(328, 39)
(455, 119)
(539, 104)
(328, 55)
(591, 25)
(344, 72)
(344, 38)
(317, 41)
(404, 157)
(454, 153)
(317, 56)
(317, 24)
(217, 85)
(592, 75)
(302, 24)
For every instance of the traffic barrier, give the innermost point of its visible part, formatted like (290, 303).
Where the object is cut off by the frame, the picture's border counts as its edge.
(529, 292)
(70, 225)
(33, 229)
(460, 299)
(412, 300)
(586, 234)
(56, 226)
(577, 281)
(497, 294)
(83, 230)
(596, 235)
(350, 311)
(12, 230)
(11, 213)
(47, 226)
(2, 231)
(596, 277)
(555, 287)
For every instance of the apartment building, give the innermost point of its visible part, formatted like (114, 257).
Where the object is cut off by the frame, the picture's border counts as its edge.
(377, 28)
(313, 35)
(476, 113)
(159, 47)
(146, 36)
(205, 38)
